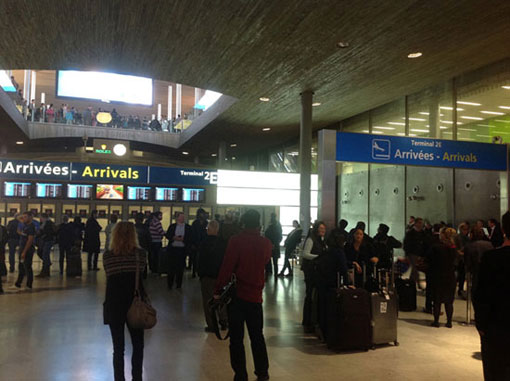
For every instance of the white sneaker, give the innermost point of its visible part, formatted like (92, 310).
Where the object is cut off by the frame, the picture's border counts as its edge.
(14, 288)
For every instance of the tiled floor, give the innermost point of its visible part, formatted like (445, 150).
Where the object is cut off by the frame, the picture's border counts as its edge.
(55, 333)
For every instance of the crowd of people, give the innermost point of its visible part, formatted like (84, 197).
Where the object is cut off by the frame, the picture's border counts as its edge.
(214, 250)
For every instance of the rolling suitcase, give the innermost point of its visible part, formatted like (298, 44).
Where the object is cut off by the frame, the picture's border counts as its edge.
(163, 261)
(406, 290)
(348, 319)
(384, 312)
(73, 267)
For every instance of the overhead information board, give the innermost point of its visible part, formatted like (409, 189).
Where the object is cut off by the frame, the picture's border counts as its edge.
(398, 150)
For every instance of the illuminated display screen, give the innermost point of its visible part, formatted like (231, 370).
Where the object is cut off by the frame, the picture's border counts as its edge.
(139, 193)
(167, 194)
(16, 189)
(193, 195)
(48, 190)
(5, 82)
(79, 191)
(109, 192)
(104, 86)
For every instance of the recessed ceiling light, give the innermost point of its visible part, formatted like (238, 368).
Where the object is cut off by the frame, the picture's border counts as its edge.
(443, 127)
(418, 119)
(384, 128)
(214, 154)
(423, 113)
(506, 87)
(485, 125)
(472, 117)
(233, 145)
(266, 129)
(316, 104)
(418, 130)
(264, 99)
(233, 157)
(377, 132)
(450, 122)
(468, 103)
(484, 136)
(492, 112)
(502, 121)
(504, 107)
(397, 123)
(342, 44)
(185, 153)
(450, 108)
(414, 55)
(19, 142)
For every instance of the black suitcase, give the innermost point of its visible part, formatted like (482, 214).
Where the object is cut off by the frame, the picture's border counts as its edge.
(163, 261)
(406, 290)
(73, 267)
(348, 319)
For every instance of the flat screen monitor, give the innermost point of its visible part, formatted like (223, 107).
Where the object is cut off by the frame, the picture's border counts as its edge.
(44, 190)
(167, 194)
(79, 191)
(138, 193)
(15, 189)
(193, 195)
(104, 87)
(109, 192)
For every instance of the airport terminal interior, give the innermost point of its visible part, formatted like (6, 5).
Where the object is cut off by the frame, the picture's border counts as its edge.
(351, 157)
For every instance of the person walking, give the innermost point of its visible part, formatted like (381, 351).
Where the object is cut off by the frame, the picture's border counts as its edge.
(495, 233)
(492, 307)
(157, 234)
(442, 260)
(246, 256)
(27, 248)
(473, 253)
(415, 246)
(209, 260)
(143, 233)
(179, 243)
(109, 229)
(314, 247)
(291, 242)
(13, 241)
(199, 235)
(4, 237)
(65, 239)
(92, 241)
(46, 239)
(120, 264)
(274, 234)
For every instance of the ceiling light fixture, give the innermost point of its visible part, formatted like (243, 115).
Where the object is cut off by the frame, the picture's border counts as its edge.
(342, 44)
(506, 87)
(414, 55)
(401, 134)
(266, 129)
(504, 107)
(214, 154)
(493, 112)
(264, 99)
(233, 145)
(468, 103)
(185, 153)
(19, 142)
(384, 128)
(502, 120)
(316, 104)
(485, 125)
(450, 122)
(472, 117)
(468, 139)
(418, 130)
(397, 123)
(418, 119)
(423, 113)
(450, 108)
(467, 129)
(443, 127)
(484, 136)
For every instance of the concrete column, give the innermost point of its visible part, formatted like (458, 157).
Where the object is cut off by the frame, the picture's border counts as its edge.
(32, 87)
(326, 166)
(222, 154)
(26, 84)
(178, 100)
(434, 118)
(43, 98)
(159, 112)
(305, 159)
(197, 99)
(170, 100)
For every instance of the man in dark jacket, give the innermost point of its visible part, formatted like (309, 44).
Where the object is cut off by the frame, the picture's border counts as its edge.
(4, 237)
(65, 238)
(246, 256)
(198, 234)
(492, 308)
(210, 257)
(415, 246)
(340, 230)
(274, 234)
(229, 227)
(384, 245)
(12, 231)
(179, 245)
(495, 233)
(46, 238)
(92, 242)
(143, 233)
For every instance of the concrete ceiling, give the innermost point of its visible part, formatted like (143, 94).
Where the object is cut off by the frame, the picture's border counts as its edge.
(252, 48)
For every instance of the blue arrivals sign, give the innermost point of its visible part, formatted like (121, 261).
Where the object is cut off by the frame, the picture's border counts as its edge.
(398, 150)
(182, 176)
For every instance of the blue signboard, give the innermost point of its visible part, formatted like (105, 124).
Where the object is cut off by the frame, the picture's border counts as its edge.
(182, 176)
(109, 173)
(34, 170)
(398, 150)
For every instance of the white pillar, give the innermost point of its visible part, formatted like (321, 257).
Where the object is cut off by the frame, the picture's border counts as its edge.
(170, 100)
(197, 99)
(26, 84)
(43, 98)
(159, 112)
(178, 100)
(32, 87)
(305, 160)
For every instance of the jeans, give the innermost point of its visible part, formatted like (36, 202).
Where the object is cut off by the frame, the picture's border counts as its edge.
(176, 266)
(117, 331)
(64, 252)
(92, 258)
(46, 251)
(495, 354)
(26, 268)
(207, 286)
(13, 244)
(154, 256)
(239, 313)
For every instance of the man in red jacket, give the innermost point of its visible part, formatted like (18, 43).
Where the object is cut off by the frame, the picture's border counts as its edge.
(246, 257)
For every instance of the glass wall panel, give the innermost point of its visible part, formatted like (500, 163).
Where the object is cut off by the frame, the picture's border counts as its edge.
(389, 119)
(357, 123)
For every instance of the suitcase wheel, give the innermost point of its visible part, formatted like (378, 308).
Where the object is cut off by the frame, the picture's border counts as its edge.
(396, 343)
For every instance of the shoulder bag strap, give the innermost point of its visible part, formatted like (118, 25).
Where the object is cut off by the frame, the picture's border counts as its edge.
(137, 276)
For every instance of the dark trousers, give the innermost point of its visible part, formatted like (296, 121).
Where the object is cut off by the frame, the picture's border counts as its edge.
(176, 266)
(154, 256)
(92, 258)
(308, 306)
(13, 244)
(25, 268)
(239, 313)
(193, 261)
(461, 274)
(428, 292)
(64, 251)
(117, 331)
(448, 308)
(496, 366)
(286, 264)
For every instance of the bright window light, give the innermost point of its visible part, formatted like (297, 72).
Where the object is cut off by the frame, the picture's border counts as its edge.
(262, 180)
(209, 98)
(5, 82)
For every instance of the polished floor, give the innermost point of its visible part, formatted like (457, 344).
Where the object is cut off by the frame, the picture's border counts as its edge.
(55, 333)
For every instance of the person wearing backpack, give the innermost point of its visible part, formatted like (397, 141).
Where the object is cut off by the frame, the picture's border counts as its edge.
(13, 241)
(47, 235)
(3, 241)
(384, 245)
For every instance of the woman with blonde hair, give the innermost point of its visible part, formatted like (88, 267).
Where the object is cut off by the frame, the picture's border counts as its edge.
(121, 261)
(442, 263)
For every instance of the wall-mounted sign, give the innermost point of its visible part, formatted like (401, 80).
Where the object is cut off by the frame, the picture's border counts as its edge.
(398, 150)
(25, 169)
(102, 172)
(103, 150)
(183, 176)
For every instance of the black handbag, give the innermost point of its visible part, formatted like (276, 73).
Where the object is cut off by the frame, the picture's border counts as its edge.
(228, 293)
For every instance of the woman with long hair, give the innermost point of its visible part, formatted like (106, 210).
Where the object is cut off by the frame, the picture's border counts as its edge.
(360, 254)
(442, 262)
(121, 261)
(314, 247)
